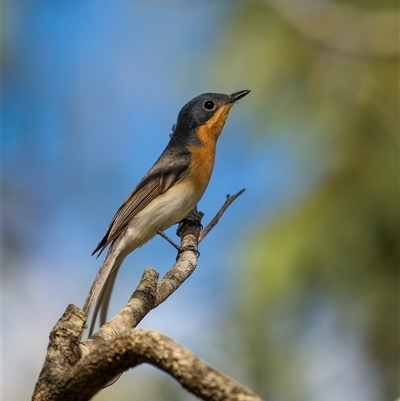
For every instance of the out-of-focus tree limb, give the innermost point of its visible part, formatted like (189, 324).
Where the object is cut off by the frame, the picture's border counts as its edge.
(344, 27)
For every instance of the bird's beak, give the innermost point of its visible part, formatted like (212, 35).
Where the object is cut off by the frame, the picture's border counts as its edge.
(237, 95)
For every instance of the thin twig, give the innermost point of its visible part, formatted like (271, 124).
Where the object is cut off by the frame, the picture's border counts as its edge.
(215, 220)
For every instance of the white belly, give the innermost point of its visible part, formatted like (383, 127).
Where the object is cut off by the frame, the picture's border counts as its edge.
(161, 213)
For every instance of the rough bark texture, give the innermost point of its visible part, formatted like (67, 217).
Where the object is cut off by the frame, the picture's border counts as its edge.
(138, 346)
(63, 352)
(75, 370)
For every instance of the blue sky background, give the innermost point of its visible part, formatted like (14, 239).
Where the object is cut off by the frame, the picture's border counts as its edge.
(90, 93)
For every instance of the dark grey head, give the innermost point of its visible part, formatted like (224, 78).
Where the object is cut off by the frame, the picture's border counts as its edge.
(203, 107)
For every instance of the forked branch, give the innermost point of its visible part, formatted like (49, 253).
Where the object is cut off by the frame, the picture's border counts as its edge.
(77, 371)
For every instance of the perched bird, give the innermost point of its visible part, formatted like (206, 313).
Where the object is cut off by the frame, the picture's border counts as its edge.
(167, 193)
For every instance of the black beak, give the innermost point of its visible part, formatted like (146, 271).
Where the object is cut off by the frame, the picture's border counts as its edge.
(237, 95)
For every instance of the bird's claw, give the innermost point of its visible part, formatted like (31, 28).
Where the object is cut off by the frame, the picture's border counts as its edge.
(193, 217)
(190, 248)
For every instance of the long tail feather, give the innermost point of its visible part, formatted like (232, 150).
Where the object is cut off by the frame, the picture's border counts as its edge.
(103, 300)
(111, 263)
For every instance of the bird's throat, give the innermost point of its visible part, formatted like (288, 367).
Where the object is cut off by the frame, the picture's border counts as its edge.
(211, 130)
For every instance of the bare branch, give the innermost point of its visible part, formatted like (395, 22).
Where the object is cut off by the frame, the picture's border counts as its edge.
(137, 346)
(62, 352)
(74, 371)
(215, 220)
(149, 294)
(138, 306)
(187, 258)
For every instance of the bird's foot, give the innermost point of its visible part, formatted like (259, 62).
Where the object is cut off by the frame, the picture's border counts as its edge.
(190, 248)
(193, 217)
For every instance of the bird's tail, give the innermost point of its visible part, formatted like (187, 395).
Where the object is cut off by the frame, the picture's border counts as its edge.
(102, 287)
(103, 300)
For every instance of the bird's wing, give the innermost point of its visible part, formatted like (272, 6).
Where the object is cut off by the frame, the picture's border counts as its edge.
(158, 180)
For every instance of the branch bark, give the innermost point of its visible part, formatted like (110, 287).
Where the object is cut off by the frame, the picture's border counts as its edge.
(77, 371)
(148, 346)
(215, 220)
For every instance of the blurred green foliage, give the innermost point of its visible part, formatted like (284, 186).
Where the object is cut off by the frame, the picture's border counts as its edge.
(338, 247)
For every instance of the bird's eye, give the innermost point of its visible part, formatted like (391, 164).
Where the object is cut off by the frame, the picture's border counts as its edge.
(209, 105)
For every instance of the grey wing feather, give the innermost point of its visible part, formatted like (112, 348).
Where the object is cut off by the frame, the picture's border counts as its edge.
(155, 182)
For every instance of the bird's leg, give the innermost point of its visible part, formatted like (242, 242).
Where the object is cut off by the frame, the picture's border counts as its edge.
(169, 240)
(180, 249)
(193, 217)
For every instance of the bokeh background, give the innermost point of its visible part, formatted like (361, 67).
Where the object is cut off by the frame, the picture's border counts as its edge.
(296, 292)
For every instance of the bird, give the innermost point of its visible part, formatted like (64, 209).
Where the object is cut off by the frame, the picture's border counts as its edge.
(166, 194)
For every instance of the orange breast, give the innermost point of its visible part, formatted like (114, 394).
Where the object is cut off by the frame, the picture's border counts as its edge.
(203, 156)
(202, 165)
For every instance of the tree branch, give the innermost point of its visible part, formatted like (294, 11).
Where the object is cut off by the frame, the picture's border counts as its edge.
(354, 30)
(138, 346)
(77, 371)
(150, 293)
(63, 351)
(215, 220)
(138, 306)
(187, 259)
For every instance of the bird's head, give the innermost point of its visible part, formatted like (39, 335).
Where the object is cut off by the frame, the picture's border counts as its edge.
(206, 114)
